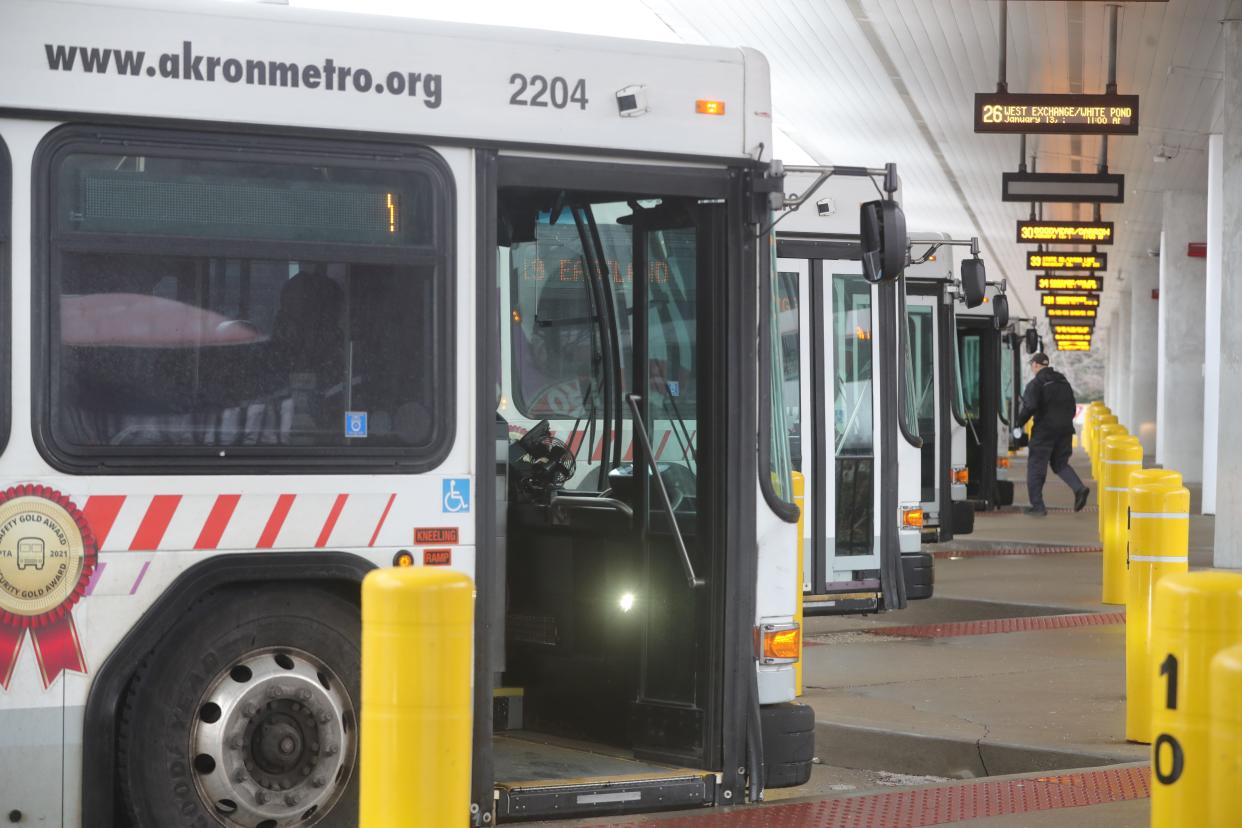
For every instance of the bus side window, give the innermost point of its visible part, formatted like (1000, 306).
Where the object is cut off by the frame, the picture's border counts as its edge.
(245, 307)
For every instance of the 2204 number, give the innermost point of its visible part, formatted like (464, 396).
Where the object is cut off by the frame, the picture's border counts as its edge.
(538, 90)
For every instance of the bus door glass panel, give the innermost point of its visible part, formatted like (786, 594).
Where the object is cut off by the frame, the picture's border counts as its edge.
(971, 353)
(677, 252)
(1005, 402)
(921, 370)
(794, 300)
(853, 425)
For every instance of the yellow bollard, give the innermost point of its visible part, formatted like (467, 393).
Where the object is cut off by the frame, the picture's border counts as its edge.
(1096, 441)
(1159, 539)
(799, 497)
(417, 672)
(1088, 428)
(1089, 415)
(1195, 616)
(1225, 740)
(1121, 456)
(1103, 433)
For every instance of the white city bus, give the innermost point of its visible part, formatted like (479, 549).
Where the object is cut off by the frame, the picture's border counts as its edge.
(934, 294)
(292, 295)
(851, 421)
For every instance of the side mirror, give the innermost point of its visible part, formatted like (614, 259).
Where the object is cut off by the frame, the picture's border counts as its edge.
(974, 281)
(884, 240)
(1000, 311)
(1032, 341)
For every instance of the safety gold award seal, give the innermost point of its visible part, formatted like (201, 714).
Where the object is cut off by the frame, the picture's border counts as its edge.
(47, 556)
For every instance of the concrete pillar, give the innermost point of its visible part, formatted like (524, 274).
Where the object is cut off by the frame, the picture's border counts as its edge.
(1144, 279)
(1228, 546)
(1211, 320)
(1179, 407)
(1121, 405)
(1112, 358)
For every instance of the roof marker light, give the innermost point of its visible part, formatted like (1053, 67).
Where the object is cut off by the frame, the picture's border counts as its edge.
(706, 107)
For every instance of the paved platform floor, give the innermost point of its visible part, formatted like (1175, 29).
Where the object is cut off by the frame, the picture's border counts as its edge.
(1013, 671)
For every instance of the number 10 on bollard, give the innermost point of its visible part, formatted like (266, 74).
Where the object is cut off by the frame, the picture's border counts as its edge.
(1196, 615)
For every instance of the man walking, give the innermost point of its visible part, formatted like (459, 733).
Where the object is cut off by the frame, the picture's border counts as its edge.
(1050, 400)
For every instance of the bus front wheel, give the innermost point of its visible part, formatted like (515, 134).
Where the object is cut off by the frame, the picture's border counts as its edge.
(246, 715)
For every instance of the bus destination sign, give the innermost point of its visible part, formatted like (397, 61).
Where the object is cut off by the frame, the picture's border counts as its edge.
(1067, 261)
(1070, 313)
(1069, 300)
(1065, 232)
(1056, 114)
(1093, 283)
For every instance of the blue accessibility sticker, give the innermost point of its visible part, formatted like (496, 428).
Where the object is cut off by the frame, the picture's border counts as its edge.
(455, 495)
(355, 424)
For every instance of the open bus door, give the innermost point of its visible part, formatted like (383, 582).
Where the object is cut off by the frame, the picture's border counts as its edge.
(848, 432)
(979, 353)
(622, 573)
(929, 304)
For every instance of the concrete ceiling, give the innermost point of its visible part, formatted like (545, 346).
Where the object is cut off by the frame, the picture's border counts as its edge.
(869, 81)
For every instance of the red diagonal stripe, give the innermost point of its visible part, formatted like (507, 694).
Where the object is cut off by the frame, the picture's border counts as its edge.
(383, 517)
(155, 523)
(100, 512)
(279, 512)
(330, 523)
(217, 521)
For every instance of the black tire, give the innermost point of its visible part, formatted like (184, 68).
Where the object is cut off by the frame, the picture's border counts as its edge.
(788, 744)
(963, 517)
(1004, 492)
(920, 574)
(154, 761)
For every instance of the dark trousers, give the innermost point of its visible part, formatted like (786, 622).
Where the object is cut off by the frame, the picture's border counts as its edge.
(1043, 454)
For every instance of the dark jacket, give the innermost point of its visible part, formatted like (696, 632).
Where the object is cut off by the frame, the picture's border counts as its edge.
(1050, 400)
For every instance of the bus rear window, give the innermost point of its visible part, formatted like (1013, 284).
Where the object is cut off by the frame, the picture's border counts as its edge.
(242, 308)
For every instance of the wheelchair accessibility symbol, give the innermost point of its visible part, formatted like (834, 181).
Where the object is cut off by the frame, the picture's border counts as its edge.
(456, 495)
(355, 424)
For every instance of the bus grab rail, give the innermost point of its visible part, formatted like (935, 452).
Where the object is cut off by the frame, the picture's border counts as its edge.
(640, 429)
(591, 502)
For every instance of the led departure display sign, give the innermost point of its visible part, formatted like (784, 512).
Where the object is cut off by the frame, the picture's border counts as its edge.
(1046, 281)
(1064, 188)
(1073, 346)
(1071, 328)
(1065, 232)
(1069, 300)
(1070, 313)
(1067, 261)
(1056, 114)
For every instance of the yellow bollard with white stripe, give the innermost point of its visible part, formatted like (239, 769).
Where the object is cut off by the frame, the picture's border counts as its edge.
(1103, 434)
(1225, 739)
(417, 671)
(1121, 455)
(1097, 440)
(1159, 543)
(1195, 616)
(1088, 417)
(799, 497)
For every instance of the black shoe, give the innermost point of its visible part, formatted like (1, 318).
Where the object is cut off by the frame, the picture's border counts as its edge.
(1035, 511)
(1080, 499)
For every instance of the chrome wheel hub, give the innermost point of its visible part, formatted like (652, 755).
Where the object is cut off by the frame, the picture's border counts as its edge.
(273, 741)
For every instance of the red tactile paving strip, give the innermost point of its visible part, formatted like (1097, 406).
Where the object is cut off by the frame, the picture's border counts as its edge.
(926, 806)
(1012, 550)
(1005, 625)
